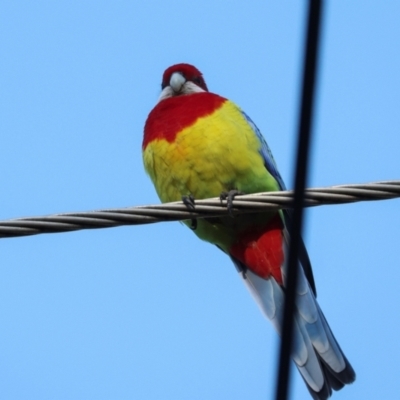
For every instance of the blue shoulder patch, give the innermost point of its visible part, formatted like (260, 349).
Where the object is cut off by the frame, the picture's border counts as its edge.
(272, 168)
(266, 153)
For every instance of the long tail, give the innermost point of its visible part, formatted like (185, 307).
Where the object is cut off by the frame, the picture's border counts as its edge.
(316, 352)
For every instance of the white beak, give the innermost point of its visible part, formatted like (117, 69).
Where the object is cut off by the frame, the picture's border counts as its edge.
(177, 81)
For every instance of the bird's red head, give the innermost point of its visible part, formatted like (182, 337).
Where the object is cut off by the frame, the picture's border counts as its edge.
(189, 72)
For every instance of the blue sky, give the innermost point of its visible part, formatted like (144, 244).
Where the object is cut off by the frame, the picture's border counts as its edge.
(151, 312)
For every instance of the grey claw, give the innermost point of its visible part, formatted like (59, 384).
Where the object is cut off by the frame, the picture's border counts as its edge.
(189, 202)
(229, 197)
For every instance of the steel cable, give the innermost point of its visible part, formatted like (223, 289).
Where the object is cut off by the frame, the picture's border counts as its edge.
(177, 211)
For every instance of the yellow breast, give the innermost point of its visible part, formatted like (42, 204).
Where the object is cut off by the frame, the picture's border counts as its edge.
(217, 153)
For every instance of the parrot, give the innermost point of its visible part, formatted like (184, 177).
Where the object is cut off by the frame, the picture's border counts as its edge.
(199, 145)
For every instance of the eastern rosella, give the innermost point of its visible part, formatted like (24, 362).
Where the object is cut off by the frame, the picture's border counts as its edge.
(198, 145)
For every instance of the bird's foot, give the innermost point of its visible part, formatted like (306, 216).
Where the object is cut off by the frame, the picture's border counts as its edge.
(229, 196)
(188, 201)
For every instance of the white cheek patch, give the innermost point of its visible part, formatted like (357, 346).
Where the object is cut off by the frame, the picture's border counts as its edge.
(166, 92)
(187, 88)
(190, 87)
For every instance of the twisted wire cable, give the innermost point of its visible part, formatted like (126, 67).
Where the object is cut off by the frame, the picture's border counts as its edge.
(178, 211)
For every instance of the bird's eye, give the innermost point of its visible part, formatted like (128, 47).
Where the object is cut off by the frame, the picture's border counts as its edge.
(198, 81)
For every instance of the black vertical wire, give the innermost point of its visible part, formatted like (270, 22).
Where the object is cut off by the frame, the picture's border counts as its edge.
(304, 139)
